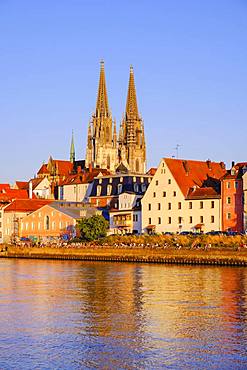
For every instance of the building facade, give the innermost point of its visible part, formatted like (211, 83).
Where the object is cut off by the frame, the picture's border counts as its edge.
(183, 196)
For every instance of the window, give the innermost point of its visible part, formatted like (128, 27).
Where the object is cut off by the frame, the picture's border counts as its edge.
(109, 187)
(159, 220)
(191, 219)
(149, 206)
(169, 220)
(179, 220)
(190, 205)
(154, 194)
(136, 218)
(179, 205)
(39, 225)
(53, 225)
(98, 190)
(159, 206)
(201, 219)
(212, 204)
(0, 214)
(136, 188)
(212, 219)
(32, 225)
(143, 187)
(229, 216)
(201, 205)
(119, 188)
(169, 206)
(156, 182)
(164, 193)
(236, 184)
(47, 222)
(174, 193)
(169, 181)
(228, 200)
(149, 220)
(228, 185)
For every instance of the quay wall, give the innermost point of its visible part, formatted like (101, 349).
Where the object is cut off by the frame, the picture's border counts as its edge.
(142, 255)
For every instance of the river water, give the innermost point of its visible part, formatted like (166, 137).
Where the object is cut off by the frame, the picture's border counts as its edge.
(90, 315)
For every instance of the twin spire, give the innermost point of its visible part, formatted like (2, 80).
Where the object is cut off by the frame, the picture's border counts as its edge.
(102, 106)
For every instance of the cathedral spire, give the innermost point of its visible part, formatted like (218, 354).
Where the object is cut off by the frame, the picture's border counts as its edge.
(131, 105)
(72, 149)
(102, 108)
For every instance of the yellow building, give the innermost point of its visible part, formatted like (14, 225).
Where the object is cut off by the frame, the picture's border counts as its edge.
(184, 195)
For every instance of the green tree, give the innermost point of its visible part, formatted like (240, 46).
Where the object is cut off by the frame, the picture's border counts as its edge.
(93, 227)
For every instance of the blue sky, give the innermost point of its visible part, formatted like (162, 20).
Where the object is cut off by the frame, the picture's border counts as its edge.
(190, 64)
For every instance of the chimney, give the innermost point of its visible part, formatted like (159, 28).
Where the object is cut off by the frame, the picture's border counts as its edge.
(30, 189)
(209, 164)
(233, 163)
(222, 165)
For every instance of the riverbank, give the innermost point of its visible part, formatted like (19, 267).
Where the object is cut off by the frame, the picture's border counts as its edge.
(214, 256)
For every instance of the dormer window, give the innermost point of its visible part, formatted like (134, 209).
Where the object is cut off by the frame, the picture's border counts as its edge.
(136, 188)
(119, 188)
(98, 190)
(109, 187)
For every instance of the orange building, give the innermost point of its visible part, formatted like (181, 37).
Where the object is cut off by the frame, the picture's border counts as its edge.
(55, 220)
(232, 199)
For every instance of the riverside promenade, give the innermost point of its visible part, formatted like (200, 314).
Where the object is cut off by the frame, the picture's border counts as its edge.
(168, 255)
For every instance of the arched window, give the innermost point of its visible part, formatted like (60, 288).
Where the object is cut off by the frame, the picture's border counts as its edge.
(119, 188)
(107, 134)
(47, 222)
(137, 165)
(108, 161)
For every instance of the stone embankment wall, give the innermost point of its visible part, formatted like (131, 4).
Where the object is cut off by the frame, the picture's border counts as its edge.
(143, 255)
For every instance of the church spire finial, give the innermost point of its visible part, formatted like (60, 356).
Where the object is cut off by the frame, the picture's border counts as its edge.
(72, 149)
(131, 104)
(102, 108)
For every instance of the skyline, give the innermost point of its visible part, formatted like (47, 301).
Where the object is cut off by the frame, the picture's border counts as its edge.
(190, 72)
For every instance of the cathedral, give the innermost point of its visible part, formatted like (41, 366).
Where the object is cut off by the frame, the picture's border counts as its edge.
(105, 149)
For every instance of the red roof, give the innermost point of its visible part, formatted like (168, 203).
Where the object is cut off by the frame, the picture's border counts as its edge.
(152, 171)
(189, 173)
(11, 194)
(22, 184)
(4, 187)
(26, 205)
(84, 177)
(199, 193)
(63, 168)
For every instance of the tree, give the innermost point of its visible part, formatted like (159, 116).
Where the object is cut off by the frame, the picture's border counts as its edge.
(93, 227)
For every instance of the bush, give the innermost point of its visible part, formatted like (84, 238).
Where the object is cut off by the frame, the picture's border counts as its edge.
(93, 227)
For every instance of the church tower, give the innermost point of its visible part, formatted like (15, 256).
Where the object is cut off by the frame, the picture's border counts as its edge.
(101, 141)
(132, 147)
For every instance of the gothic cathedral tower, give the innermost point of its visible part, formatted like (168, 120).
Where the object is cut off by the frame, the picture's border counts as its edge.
(132, 147)
(102, 139)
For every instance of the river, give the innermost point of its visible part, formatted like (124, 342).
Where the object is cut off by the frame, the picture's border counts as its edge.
(90, 315)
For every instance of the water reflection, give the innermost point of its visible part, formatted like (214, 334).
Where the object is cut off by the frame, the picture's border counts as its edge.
(57, 314)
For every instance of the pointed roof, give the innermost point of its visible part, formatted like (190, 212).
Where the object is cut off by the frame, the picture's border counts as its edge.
(102, 108)
(131, 104)
(72, 149)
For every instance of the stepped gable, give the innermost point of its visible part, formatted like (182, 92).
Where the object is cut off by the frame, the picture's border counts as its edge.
(61, 167)
(27, 205)
(191, 174)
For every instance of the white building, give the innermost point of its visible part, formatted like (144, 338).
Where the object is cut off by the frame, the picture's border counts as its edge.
(184, 195)
(127, 218)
